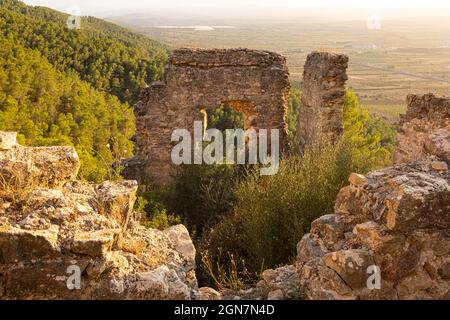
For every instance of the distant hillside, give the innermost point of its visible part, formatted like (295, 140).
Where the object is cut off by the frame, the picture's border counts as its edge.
(48, 107)
(107, 56)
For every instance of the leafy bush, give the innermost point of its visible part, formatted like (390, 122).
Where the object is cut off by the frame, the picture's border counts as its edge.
(271, 213)
(373, 140)
(202, 193)
(47, 107)
(161, 220)
(151, 205)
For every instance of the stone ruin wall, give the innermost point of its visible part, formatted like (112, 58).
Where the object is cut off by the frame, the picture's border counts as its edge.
(397, 219)
(255, 83)
(322, 98)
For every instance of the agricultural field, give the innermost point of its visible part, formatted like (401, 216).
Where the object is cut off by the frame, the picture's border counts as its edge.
(403, 56)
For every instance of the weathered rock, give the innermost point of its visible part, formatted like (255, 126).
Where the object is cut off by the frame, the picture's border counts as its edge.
(161, 283)
(206, 293)
(318, 282)
(45, 197)
(424, 130)
(329, 229)
(309, 248)
(59, 226)
(402, 197)
(179, 237)
(96, 243)
(276, 295)
(357, 179)
(322, 101)
(399, 219)
(351, 265)
(368, 234)
(439, 166)
(116, 200)
(279, 284)
(7, 140)
(255, 83)
(18, 245)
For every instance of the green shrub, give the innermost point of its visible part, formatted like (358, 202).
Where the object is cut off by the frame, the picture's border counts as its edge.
(151, 205)
(373, 139)
(161, 220)
(292, 114)
(202, 193)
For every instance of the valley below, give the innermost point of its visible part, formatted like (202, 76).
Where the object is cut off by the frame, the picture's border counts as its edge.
(404, 56)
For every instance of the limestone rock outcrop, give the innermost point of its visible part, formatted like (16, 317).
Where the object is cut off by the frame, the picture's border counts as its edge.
(53, 226)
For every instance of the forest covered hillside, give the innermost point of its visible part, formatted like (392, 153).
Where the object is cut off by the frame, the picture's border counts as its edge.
(107, 56)
(73, 87)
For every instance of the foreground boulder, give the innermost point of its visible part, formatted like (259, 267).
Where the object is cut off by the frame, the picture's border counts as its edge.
(394, 223)
(55, 231)
(24, 168)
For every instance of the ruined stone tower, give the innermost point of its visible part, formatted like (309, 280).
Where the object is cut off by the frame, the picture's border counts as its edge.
(322, 100)
(255, 83)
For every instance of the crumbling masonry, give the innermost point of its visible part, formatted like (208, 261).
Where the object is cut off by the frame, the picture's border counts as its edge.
(394, 220)
(255, 83)
(424, 129)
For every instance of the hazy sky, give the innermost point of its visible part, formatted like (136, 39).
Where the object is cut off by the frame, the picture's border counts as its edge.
(90, 7)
